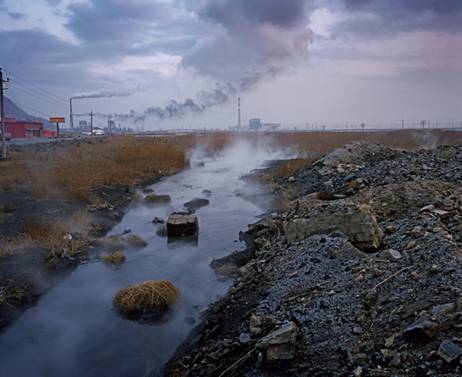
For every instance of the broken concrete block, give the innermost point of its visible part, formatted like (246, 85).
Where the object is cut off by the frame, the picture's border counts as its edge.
(281, 343)
(181, 224)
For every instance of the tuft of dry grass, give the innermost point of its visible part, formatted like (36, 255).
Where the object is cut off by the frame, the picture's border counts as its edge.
(117, 257)
(150, 295)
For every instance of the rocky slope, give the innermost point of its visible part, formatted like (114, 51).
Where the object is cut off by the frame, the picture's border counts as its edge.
(358, 274)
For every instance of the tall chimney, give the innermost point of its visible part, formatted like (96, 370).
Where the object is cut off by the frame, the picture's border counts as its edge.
(239, 112)
(71, 115)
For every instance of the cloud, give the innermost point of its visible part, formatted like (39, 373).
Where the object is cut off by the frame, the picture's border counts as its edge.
(250, 39)
(17, 15)
(382, 18)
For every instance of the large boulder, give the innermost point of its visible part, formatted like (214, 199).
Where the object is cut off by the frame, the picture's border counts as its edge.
(180, 224)
(357, 222)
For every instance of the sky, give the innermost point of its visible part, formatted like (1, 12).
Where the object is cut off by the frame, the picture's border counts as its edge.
(155, 64)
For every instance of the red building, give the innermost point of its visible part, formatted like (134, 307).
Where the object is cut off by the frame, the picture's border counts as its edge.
(49, 133)
(23, 128)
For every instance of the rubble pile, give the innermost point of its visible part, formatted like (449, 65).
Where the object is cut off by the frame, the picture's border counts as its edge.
(359, 275)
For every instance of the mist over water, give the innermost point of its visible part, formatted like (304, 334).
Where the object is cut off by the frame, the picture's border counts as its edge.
(73, 331)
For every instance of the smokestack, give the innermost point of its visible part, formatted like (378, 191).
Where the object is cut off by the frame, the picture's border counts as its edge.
(239, 112)
(71, 115)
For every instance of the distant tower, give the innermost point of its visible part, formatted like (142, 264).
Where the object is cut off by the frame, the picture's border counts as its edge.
(239, 112)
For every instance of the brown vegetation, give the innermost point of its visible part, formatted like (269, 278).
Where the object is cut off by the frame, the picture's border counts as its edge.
(117, 257)
(71, 171)
(150, 295)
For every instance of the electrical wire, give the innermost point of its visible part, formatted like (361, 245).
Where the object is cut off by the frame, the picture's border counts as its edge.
(35, 88)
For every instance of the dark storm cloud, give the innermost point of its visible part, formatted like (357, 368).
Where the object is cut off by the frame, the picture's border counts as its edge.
(281, 13)
(388, 17)
(250, 38)
(132, 27)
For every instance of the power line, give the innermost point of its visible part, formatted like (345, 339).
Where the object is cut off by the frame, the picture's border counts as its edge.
(27, 107)
(32, 93)
(35, 88)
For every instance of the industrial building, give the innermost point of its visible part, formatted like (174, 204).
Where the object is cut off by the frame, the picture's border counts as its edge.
(23, 128)
(255, 124)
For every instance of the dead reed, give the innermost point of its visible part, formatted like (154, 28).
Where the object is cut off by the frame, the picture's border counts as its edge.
(150, 295)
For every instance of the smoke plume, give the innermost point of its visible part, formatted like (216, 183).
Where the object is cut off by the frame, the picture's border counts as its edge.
(100, 94)
(249, 41)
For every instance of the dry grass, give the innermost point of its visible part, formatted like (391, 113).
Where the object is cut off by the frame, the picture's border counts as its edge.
(150, 295)
(56, 236)
(73, 170)
(117, 257)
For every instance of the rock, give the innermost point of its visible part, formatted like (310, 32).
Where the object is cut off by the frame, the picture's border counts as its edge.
(244, 338)
(357, 222)
(207, 192)
(148, 190)
(162, 231)
(411, 245)
(291, 179)
(135, 241)
(422, 330)
(390, 229)
(391, 254)
(441, 310)
(196, 203)
(417, 231)
(281, 343)
(255, 325)
(155, 199)
(157, 220)
(449, 351)
(181, 224)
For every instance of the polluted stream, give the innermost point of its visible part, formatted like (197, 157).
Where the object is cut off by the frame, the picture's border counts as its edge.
(74, 331)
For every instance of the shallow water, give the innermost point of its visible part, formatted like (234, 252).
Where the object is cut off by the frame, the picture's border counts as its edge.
(73, 331)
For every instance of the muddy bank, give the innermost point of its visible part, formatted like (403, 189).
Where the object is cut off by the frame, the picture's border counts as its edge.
(43, 240)
(357, 274)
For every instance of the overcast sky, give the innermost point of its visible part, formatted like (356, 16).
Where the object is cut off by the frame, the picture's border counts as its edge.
(184, 62)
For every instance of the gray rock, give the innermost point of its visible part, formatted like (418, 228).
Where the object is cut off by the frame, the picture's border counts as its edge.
(244, 338)
(281, 343)
(392, 255)
(357, 222)
(196, 203)
(449, 351)
(422, 330)
(441, 310)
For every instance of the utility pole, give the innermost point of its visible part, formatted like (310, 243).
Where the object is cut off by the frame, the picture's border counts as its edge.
(91, 123)
(2, 115)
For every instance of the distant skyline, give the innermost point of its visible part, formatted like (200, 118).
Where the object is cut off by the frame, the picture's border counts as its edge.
(297, 61)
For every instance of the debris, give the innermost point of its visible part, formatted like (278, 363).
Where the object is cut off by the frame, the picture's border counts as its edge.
(181, 224)
(280, 344)
(422, 330)
(449, 351)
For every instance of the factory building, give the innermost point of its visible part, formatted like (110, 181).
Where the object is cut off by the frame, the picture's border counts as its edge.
(255, 124)
(23, 128)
